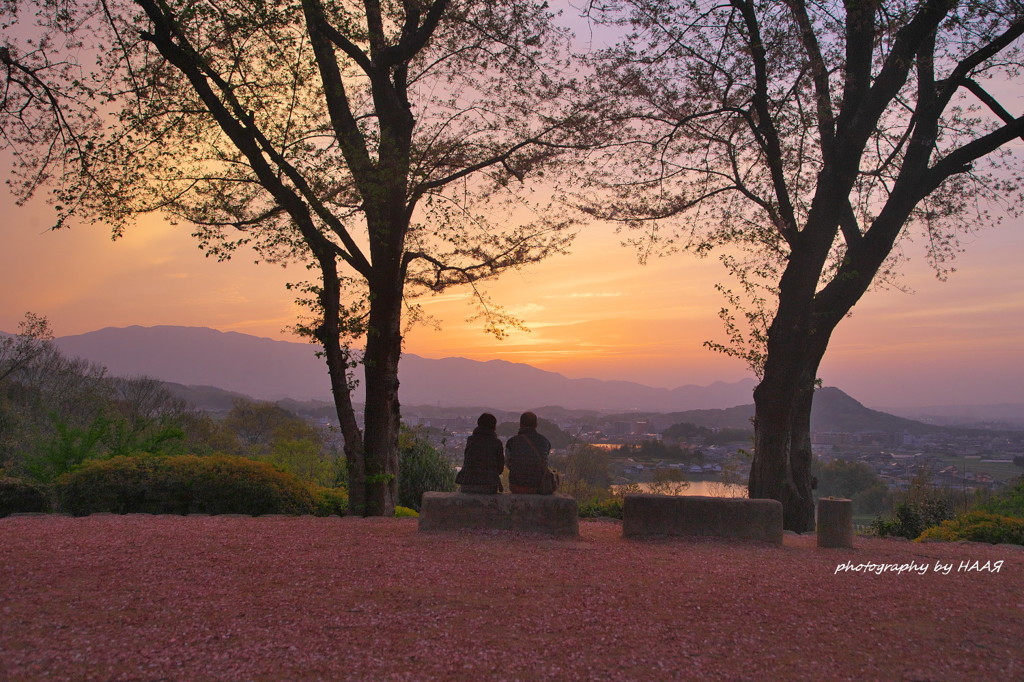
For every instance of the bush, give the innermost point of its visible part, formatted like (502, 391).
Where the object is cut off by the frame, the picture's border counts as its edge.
(912, 518)
(405, 512)
(330, 501)
(1007, 503)
(17, 496)
(596, 507)
(217, 484)
(978, 526)
(421, 468)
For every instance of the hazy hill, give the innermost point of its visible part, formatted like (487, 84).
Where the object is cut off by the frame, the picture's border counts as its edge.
(833, 410)
(273, 370)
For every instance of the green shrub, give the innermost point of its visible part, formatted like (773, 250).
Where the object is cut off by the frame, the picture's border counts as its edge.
(330, 501)
(421, 468)
(217, 484)
(1010, 502)
(405, 512)
(910, 519)
(978, 526)
(17, 496)
(596, 507)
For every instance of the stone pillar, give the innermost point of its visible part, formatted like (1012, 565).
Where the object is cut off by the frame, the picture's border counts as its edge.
(835, 522)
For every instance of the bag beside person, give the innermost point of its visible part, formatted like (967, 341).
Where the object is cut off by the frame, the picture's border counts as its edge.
(549, 481)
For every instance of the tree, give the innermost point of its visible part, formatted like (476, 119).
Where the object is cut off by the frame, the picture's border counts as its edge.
(585, 472)
(809, 139)
(33, 339)
(363, 140)
(58, 412)
(257, 425)
(423, 469)
(853, 480)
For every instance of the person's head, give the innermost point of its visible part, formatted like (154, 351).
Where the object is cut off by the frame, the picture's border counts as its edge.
(528, 420)
(487, 421)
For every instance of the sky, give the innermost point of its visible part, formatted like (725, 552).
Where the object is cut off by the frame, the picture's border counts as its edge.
(595, 313)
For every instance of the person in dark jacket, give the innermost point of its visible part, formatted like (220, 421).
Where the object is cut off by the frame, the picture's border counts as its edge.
(483, 460)
(527, 457)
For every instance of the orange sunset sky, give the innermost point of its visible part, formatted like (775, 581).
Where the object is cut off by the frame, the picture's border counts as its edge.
(596, 313)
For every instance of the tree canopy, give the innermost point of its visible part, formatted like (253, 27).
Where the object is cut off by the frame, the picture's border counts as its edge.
(385, 146)
(807, 140)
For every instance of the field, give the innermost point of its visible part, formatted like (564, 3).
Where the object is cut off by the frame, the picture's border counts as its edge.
(1004, 472)
(229, 598)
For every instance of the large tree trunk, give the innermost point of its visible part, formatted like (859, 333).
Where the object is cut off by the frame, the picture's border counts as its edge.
(338, 361)
(797, 340)
(383, 416)
(782, 449)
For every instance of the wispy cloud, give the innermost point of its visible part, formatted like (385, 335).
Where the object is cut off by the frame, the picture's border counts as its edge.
(577, 294)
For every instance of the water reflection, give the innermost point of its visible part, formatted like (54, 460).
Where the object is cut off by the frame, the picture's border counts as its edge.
(703, 488)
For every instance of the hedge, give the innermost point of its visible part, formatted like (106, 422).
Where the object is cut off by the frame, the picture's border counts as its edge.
(978, 526)
(17, 496)
(185, 484)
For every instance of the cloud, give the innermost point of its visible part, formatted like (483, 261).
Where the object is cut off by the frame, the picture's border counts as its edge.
(576, 294)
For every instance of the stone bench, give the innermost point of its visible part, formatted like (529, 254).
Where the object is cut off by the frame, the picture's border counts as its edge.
(552, 514)
(727, 517)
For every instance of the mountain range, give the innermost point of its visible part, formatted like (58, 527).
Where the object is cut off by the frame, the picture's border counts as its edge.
(265, 369)
(273, 370)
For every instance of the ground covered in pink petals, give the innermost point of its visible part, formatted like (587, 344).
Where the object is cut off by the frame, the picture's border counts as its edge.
(240, 598)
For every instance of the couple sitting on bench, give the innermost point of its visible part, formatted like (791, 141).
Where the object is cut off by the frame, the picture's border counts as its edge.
(526, 455)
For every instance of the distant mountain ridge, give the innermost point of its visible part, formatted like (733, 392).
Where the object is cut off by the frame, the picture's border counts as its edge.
(272, 370)
(833, 410)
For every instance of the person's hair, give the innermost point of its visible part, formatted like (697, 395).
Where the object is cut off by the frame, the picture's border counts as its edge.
(487, 421)
(528, 420)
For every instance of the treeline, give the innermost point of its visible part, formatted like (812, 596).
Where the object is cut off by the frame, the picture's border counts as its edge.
(650, 450)
(692, 433)
(60, 415)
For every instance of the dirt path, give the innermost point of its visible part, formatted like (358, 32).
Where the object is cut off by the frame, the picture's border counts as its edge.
(238, 598)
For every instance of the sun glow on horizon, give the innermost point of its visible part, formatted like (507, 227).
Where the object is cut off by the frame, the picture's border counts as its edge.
(595, 313)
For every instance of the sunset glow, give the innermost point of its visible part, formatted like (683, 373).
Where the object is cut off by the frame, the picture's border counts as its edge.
(596, 313)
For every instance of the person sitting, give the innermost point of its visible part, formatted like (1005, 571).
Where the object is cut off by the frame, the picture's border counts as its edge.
(483, 460)
(527, 457)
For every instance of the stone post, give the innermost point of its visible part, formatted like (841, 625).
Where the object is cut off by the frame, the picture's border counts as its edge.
(835, 522)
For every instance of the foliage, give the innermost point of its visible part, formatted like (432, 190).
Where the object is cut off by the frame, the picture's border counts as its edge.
(668, 482)
(330, 501)
(32, 340)
(104, 437)
(855, 481)
(610, 507)
(805, 142)
(306, 460)
(978, 526)
(405, 513)
(872, 500)
(584, 470)
(382, 146)
(733, 477)
(704, 435)
(421, 469)
(1009, 502)
(659, 450)
(910, 519)
(18, 496)
(215, 484)
(56, 412)
(259, 425)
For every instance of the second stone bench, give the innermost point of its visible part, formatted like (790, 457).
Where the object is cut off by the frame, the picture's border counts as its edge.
(728, 517)
(551, 514)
